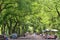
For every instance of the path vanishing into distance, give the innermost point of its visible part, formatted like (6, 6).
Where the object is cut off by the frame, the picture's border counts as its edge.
(32, 38)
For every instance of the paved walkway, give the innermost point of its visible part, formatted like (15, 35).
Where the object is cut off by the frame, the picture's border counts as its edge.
(32, 38)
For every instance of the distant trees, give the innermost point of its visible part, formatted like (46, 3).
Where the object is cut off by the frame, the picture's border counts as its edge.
(19, 15)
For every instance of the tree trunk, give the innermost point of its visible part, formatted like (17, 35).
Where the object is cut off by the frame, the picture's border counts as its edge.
(14, 28)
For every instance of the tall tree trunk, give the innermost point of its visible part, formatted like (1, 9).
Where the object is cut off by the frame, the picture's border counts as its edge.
(14, 28)
(9, 26)
(0, 8)
(4, 26)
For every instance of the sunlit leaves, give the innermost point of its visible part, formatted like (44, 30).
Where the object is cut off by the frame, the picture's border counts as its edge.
(38, 14)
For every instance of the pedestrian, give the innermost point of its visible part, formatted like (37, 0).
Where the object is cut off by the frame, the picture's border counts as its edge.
(5, 36)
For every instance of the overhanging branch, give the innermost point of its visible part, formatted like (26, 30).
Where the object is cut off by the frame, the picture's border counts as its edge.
(57, 11)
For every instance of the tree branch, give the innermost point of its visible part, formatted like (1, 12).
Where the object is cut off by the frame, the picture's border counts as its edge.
(57, 11)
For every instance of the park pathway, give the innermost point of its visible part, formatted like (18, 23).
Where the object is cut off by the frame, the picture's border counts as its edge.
(32, 38)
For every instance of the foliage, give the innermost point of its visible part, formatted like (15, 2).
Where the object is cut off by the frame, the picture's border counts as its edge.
(21, 15)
